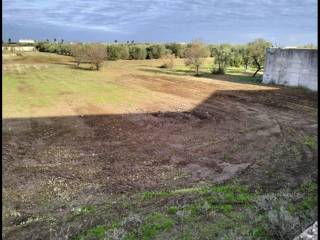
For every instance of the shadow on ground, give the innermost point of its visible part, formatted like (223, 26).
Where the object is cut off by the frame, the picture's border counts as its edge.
(244, 78)
(266, 138)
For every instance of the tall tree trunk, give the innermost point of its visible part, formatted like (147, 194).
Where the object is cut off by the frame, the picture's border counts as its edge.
(256, 71)
(258, 65)
(197, 70)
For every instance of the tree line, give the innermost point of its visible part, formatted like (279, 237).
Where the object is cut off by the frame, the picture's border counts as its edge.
(225, 55)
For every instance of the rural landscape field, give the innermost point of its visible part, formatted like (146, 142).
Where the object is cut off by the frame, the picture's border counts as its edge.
(135, 151)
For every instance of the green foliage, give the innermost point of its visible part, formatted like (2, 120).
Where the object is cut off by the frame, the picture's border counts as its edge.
(156, 51)
(118, 51)
(137, 52)
(62, 49)
(154, 224)
(176, 49)
(222, 54)
(257, 50)
(150, 195)
(311, 142)
(172, 210)
(97, 232)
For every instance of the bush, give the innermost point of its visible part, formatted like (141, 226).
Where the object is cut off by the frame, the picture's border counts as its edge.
(176, 49)
(116, 52)
(137, 52)
(168, 61)
(220, 70)
(156, 51)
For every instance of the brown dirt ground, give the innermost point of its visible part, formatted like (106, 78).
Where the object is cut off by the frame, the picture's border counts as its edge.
(231, 133)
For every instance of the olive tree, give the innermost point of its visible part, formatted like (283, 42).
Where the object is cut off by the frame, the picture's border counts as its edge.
(195, 54)
(245, 55)
(222, 55)
(257, 51)
(94, 54)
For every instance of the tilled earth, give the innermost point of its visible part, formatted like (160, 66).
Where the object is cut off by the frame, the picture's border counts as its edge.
(259, 135)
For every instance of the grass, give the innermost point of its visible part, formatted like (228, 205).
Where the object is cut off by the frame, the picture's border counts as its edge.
(220, 211)
(41, 83)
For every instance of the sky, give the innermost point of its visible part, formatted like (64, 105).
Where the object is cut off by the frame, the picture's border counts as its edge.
(283, 22)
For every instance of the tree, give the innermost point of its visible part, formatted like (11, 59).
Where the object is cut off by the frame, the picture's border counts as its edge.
(94, 54)
(9, 40)
(168, 60)
(97, 53)
(257, 50)
(155, 51)
(176, 48)
(137, 52)
(245, 55)
(119, 51)
(195, 54)
(222, 56)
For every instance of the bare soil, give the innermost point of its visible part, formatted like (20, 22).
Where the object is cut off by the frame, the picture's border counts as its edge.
(244, 133)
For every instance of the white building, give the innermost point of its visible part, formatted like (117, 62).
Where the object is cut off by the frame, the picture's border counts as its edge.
(26, 41)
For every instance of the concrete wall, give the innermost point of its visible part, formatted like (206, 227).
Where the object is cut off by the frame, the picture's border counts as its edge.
(292, 67)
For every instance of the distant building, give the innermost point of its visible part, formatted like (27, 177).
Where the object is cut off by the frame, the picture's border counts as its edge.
(26, 41)
(289, 47)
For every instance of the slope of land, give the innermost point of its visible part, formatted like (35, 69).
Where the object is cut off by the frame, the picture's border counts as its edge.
(84, 150)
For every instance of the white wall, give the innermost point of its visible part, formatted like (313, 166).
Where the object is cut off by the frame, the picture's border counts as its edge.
(292, 67)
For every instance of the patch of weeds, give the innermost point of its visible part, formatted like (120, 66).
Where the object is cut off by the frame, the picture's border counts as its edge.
(172, 210)
(230, 188)
(151, 195)
(97, 232)
(154, 224)
(285, 214)
(309, 187)
(311, 142)
(258, 233)
(249, 79)
(225, 208)
(84, 210)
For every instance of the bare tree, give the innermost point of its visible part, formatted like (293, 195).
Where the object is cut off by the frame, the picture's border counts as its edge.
(168, 60)
(195, 54)
(97, 53)
(94, 54)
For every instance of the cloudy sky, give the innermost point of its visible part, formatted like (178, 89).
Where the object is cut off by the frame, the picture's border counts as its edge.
(284, 22)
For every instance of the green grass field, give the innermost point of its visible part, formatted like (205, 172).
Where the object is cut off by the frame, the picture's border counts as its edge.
(40, 84)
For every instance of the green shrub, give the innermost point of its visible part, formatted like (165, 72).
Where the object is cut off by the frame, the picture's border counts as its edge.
(137, 52)
(220, 70)
(118, 51)
(155, 51)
